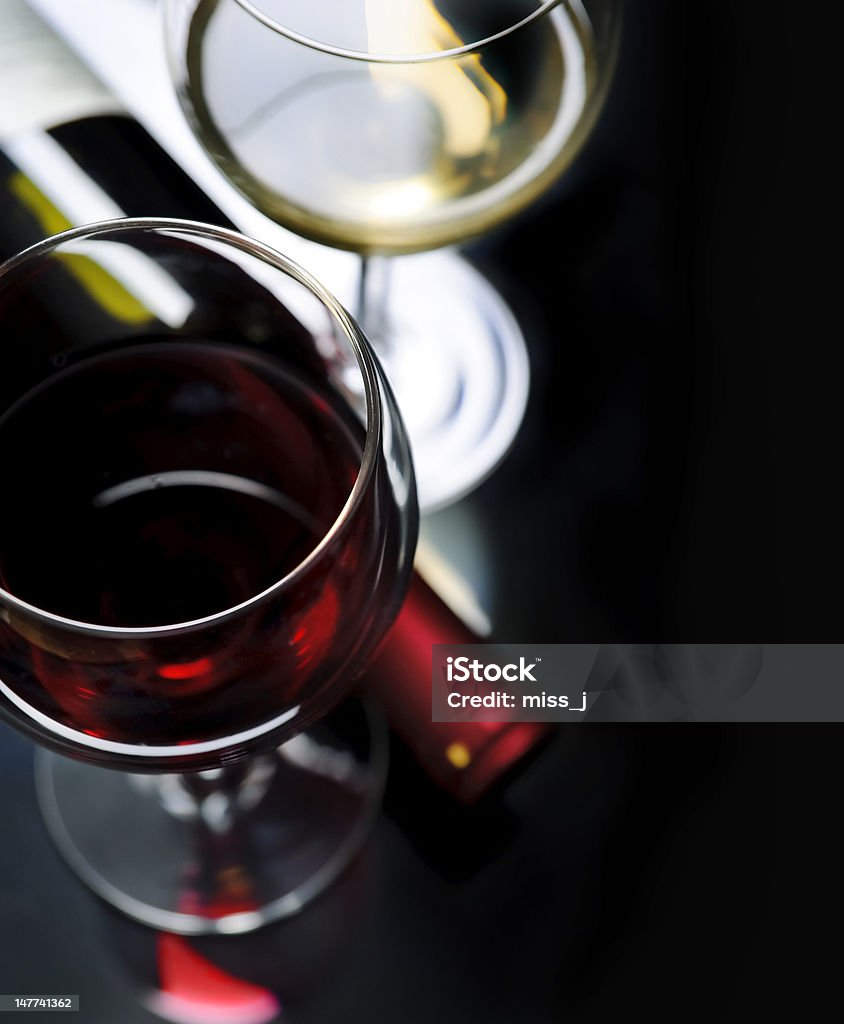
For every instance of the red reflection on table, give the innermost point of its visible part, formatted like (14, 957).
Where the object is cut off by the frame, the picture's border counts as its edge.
(195, 991)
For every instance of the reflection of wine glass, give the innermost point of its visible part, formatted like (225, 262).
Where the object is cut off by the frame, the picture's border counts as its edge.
(395, 126)
(205, 545)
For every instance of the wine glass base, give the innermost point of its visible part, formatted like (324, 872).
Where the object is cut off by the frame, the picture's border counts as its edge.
(459, 367)
(203, 861)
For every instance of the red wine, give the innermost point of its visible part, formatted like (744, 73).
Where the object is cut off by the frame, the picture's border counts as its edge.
(187, 479)
(158, 485)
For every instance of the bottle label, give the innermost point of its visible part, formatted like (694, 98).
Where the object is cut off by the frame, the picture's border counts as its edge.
(42, 83)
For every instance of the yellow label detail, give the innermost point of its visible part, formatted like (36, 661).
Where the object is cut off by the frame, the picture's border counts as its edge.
(110, 294)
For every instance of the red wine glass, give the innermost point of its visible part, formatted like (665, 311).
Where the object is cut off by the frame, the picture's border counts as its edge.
(208, 525)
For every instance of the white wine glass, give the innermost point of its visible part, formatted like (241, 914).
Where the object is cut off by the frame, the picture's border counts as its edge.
(393, 127)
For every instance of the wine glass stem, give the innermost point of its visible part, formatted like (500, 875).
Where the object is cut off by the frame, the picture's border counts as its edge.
(217, 797)
(373, 302)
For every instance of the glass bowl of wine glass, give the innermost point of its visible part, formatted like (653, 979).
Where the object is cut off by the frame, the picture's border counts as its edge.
(209, 525)
(395, 127)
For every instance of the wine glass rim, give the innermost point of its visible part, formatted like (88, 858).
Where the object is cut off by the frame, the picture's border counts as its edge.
(366, 364)
(542, 8)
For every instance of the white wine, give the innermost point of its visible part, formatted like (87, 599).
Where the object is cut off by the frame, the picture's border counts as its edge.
(391, 157)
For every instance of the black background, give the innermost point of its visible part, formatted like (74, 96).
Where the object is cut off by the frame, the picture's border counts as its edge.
(676, 479)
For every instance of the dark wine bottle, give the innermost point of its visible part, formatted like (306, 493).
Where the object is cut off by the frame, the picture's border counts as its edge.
(70, 155)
